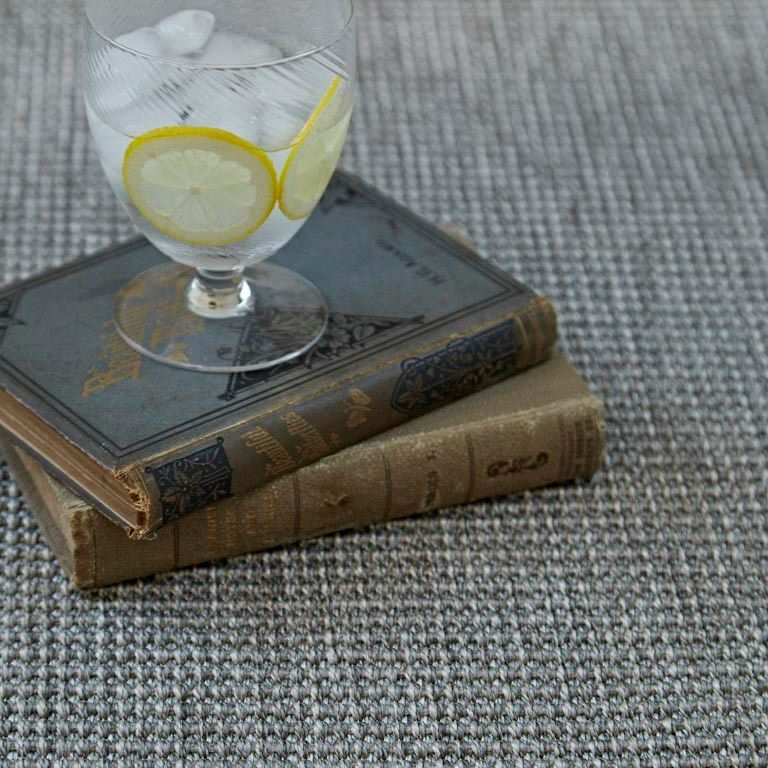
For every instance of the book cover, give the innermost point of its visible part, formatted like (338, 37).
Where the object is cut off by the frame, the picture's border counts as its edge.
(541, 427)
(417, 320)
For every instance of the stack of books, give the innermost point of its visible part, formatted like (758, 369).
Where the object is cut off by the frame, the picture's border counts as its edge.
(436, 384)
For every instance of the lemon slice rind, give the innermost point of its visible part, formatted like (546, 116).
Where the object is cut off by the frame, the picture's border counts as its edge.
(292, 207)
(205, 187)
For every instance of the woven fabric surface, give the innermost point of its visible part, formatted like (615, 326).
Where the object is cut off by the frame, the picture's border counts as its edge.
(615, 156)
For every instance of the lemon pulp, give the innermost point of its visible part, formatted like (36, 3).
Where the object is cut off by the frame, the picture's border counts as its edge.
(202, 186)
(313, 159)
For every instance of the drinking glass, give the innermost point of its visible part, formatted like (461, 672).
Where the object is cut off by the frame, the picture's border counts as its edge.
(219, 128)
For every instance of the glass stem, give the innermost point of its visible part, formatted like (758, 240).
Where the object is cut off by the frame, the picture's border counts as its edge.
(219, 294)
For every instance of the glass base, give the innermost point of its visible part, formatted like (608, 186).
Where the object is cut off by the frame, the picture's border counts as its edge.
(197, 320)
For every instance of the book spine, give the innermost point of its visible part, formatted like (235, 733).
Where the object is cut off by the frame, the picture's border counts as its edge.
(369, 484)
(254, 452)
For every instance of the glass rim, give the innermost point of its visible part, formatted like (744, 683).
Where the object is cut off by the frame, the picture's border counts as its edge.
(199, 65)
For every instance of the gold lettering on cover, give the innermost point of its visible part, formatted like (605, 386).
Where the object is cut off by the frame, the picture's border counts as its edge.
(134, 290)
(122, 363)
(173, 322)
(134, 320)
(357, 407)
(313, 445)
(280, 461)
(168, 326)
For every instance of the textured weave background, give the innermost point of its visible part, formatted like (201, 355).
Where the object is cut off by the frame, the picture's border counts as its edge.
(613, 154)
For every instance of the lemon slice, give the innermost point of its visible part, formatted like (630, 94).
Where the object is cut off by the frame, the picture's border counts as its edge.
(313, 159)
(202, 186)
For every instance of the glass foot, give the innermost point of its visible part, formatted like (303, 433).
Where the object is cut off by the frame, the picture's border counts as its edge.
(221, 322)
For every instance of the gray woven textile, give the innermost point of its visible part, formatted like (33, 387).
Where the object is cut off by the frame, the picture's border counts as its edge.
(614, 155)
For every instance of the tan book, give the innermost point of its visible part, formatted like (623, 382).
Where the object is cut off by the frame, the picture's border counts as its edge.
(541, 427)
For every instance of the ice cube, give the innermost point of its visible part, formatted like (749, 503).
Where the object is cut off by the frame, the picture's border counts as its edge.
(144, 40)
(133, 94)
(268, 106)
(246, 103)
(121, 76)
(186, 32)
(127, 85)
(230, 49)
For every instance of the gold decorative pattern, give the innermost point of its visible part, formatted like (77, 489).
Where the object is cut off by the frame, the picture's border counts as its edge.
(357, 407)
(313, 446)
(280, 460)
(122, 363)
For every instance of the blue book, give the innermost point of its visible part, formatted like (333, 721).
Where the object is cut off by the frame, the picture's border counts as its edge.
(417, 320)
